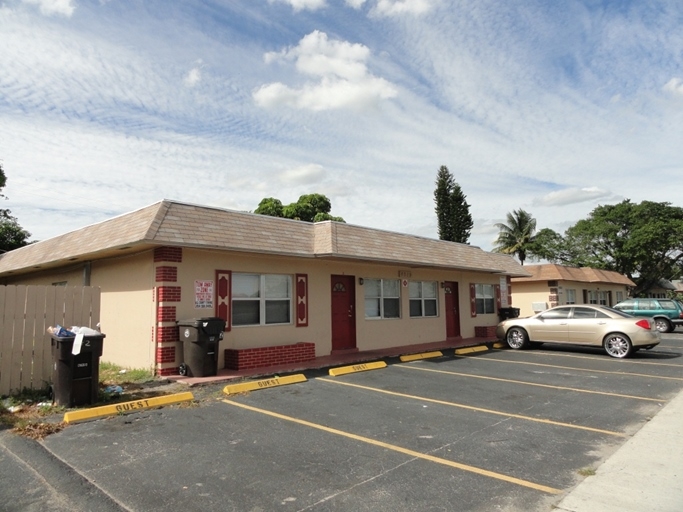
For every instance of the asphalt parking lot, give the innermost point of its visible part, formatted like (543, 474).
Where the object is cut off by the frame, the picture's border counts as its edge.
(494, 430)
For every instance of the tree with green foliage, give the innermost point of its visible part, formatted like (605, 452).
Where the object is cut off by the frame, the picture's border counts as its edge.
(309, 208)
(269, 206)
(452, 211)
(517, 236)
(642, 241)
(12, 235)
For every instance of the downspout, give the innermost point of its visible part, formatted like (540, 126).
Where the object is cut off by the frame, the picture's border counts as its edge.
(87, 267)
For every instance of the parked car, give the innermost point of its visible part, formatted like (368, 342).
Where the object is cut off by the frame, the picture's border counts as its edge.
(619, 333)
(666, 313)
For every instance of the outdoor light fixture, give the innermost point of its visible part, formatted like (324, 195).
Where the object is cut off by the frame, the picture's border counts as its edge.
(443, 284)
(360, 281)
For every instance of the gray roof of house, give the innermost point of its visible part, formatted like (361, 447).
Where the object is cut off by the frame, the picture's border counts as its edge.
(172, 223)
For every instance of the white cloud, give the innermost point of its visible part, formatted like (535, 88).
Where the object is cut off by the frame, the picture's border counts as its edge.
(344, 78)
(356, 4)
(398, 7)
(301, 5)
(316, 55)
(193, 77)
(572, 195)
(53, 7)
(304, 175)
(674, 86)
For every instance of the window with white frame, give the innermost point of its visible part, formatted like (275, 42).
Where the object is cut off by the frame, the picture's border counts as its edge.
(423, 298)
(602, 298)
(261, 299)
(382, 298)
(592, 296)
(571, 296)
(485, 297)
(619, 296)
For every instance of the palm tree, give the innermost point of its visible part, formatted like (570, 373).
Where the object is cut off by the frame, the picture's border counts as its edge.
(516, 236)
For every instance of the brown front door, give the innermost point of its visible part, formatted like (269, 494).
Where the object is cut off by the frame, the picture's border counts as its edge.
(452, 311)
(343, 313)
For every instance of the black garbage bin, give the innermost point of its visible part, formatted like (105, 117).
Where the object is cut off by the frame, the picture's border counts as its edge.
(75, 377)
(200, 338)
(505, 313)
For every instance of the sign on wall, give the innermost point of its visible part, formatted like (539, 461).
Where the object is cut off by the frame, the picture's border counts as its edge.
(203, 294)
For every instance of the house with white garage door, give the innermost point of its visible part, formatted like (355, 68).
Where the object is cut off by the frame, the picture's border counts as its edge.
(287, 290)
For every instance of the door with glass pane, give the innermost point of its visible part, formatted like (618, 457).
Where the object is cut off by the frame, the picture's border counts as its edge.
(343, 313)
(452, 309)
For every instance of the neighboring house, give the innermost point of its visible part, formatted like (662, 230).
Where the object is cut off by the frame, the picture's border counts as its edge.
(662, 290)
(321, 288)
(552, 285)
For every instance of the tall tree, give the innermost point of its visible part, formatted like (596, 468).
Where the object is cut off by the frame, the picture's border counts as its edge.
(309, 208)
(12, 235)
(452, 211)
(642, 241)
(517, 236)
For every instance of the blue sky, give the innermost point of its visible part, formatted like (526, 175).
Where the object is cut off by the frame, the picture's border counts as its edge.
(107, 106)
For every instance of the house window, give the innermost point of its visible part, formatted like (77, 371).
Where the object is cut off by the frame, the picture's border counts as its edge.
(571, 296)
(485, 298)
(620, 297)
(423, 298)
(602, 298)
(382, 298)
(261, 299)
(592, 296)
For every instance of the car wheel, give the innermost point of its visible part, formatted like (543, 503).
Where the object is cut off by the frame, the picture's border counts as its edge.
(618, 345)
(663, 325)
(517, 338)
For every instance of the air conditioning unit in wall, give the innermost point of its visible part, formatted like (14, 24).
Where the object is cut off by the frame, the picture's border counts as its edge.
(539, 306)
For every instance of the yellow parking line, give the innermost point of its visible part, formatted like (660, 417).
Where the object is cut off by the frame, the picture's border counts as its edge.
(405, 451)
(606, 359)
(578, 390)
(574, 368)
(478, 409)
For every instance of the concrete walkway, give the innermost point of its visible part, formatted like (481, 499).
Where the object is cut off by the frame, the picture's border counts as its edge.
(644, 475)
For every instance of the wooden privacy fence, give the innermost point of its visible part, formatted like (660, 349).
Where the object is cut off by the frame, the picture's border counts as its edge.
(25, 314)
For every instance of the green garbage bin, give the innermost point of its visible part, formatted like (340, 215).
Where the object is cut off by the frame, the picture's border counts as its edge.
(75, 377)
(200, 338)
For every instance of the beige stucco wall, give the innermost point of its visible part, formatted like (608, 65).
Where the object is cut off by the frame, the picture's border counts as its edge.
(72, 276)
(128, 311)
(370, 333)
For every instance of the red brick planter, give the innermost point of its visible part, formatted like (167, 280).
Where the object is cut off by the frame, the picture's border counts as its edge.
(248, 358)
(485, 331)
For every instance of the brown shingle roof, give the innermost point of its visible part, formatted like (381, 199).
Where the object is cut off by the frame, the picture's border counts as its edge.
(179, 224)
(553, 272)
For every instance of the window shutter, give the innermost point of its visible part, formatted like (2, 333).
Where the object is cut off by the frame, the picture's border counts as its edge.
(302, 300)
(497, 297)
(509, 280)
(473, 300)
(585, 296)
(224, 296)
